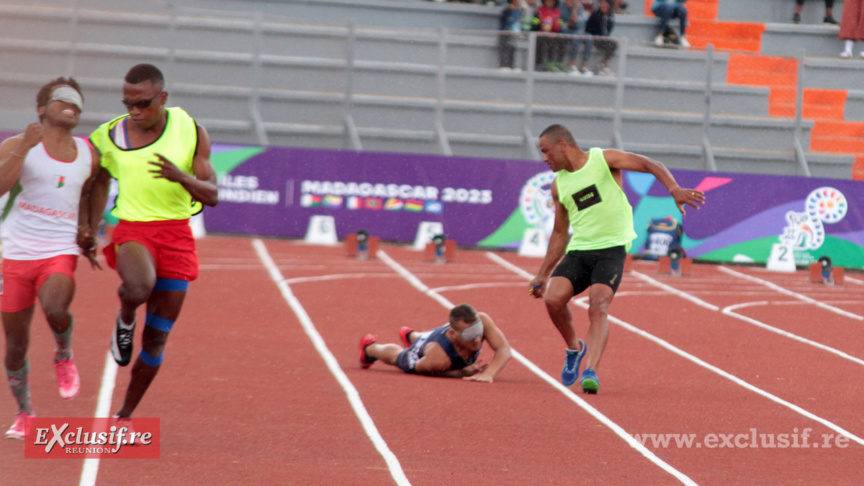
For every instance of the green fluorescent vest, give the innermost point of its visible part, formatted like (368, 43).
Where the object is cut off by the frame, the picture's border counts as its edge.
(599, 213)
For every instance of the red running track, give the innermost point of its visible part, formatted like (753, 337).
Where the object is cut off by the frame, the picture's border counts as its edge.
(246, 397)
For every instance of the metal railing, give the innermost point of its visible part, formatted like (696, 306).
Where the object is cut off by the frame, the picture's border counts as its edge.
(445, 39)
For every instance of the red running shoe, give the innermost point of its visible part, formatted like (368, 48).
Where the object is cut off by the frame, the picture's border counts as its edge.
(404, 334)
(365, 360)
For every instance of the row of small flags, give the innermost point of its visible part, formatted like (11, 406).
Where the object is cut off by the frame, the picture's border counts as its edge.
(372, 203)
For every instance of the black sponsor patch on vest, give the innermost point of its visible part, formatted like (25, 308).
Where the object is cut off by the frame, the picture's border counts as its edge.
(587, 197)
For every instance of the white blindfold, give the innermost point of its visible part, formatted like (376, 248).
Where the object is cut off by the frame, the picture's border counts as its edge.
(68, 95)
(473, 331)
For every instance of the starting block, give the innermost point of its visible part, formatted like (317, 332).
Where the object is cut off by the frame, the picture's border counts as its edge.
(361, 245)
(822, 271)
(675, 264)
(440, 250)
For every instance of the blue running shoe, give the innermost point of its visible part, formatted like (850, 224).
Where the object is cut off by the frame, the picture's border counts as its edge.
(590, 382)
(571, 365)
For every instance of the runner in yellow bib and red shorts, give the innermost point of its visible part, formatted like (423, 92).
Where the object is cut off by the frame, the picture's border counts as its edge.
(161, 160)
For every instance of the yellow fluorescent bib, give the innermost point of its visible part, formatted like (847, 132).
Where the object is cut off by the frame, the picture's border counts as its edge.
(141, 197)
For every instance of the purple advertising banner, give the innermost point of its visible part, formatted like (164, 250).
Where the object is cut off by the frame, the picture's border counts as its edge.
(277, 191)
(491, 203)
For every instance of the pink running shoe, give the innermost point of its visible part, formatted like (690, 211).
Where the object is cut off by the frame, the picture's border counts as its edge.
(404, 333)
(68, 381)
(19, 428)
(365, 360)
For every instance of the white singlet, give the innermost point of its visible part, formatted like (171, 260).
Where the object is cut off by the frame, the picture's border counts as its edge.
(40, 220)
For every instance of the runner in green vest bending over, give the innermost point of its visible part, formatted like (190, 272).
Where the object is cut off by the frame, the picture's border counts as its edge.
(588, 197)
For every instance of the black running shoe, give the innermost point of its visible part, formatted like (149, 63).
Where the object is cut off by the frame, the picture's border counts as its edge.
(121, 342)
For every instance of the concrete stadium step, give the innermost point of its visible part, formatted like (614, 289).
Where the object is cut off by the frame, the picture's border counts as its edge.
(327, 75)
(550, 88)
(748, 161)
(671, 128)
(833, 72)
(649, 62)
(792, 40)
(776, 11)
(855, 105)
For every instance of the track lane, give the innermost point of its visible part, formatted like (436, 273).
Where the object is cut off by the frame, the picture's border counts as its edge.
(678, 395)
(244, 398)
(432, 424)
(269, 410)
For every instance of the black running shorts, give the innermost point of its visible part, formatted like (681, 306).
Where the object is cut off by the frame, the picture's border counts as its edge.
(588, 267)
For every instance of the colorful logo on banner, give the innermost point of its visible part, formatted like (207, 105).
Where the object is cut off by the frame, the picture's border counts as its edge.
(805, 230)
(535, 210)
(535, 201)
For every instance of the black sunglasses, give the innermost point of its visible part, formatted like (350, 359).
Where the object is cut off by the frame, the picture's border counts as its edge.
(141, 104)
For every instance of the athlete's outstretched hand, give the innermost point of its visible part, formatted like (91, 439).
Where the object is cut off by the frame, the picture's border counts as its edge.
(690, 197)
(474, 370)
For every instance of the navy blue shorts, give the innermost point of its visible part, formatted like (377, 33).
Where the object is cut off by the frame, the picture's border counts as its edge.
(584, 268)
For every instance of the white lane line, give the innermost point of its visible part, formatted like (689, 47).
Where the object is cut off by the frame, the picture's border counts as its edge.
(90, 470)
(854, 280)
(333, 365)
(673, 290)
(337, 276)
(779, 289)
(476, 286)
(548, 379)
(729, 376)
(694, 359)
(730, 311)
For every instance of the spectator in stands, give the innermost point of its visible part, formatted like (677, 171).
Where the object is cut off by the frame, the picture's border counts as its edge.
(529, 12)
(852, 25)
(828, 19)
(572, 12)
(550, 55)
(599, 27)
(509, 23)
(667, 10)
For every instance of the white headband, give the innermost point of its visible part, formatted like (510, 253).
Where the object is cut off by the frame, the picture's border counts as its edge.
(68, 95)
